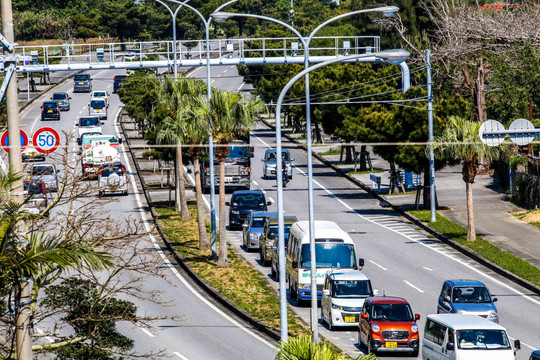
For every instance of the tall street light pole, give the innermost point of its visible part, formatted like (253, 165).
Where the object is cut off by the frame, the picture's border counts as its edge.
(430, 138)
(206, 23)
(393, 56)
(222, 16)
(23, 341)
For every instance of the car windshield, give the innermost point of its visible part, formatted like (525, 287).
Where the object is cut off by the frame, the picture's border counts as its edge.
(257, 222)
(50, 106)
(97, 104)
(250, 201)
(392, 312)
(329, 255)
(482, 339)
(89, 122)
(351, 289)
(271, 156)
(34, 188)
(59, 96)
(112, 170)
(82, 77)
(471, 294)
(100, 94)
(273, 231)
(42, 170)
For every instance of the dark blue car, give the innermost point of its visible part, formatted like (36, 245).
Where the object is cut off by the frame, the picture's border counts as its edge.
(242, 203)
(467, 297)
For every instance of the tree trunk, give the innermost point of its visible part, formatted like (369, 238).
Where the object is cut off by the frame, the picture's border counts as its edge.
(203, 236)
(363, 158)
(427, 195)
(223, 260)
(481, 90)
(181, 183)
(471, 231)
(394, 188)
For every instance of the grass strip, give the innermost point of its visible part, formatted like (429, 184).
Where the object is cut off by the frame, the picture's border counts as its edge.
(239, 283)
(484, 248)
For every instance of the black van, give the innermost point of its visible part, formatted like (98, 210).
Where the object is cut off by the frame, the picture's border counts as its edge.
(50, 110)
(118, 81)
(82, 83)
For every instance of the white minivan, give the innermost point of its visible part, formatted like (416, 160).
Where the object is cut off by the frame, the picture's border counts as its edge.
(334, 249)
(466, 337)
(98, 107)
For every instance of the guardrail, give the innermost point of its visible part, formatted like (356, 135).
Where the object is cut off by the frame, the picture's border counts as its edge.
(131, 55)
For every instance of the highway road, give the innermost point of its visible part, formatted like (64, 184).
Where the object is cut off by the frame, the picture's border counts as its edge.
(399, 259)
(194, 327)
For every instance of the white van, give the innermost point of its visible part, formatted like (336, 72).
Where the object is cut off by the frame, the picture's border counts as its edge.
(466, 337)
(98, 107)
(334, 249)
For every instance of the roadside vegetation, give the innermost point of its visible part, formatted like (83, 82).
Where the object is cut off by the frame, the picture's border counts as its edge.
(482, 247)
(240, 283)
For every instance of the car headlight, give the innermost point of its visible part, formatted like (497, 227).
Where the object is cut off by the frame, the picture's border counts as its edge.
(338, 307)
(304, 286)
(414, 328)
(492, 314)
(235, 212)
(253, 236)
(375, 328)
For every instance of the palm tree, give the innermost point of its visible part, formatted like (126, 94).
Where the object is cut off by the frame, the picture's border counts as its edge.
(184, 126)
(460, 140)
(231, 114)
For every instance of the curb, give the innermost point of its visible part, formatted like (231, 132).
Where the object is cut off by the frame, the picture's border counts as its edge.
(187, 269)
(464, 250)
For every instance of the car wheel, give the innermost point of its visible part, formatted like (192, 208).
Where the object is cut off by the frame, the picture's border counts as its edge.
(368, 345)
(414, 353)
(330, 325)
(273, 273)
(292, 293)
(360, 343)
(126, 193)
(100, 194)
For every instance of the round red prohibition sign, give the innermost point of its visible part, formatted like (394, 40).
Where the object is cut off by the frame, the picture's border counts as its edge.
(46, 140)
(4, 141)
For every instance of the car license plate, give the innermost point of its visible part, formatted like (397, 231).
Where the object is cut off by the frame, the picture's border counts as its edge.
(97, 110)
(113, 189)
(392, 345)
(49, 111)
(349, 318)
(228, 179)
(81, 82)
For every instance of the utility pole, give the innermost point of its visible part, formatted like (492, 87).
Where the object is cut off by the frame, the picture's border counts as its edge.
(23, 311)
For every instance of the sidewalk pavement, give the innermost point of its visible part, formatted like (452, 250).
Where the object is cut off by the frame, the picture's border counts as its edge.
(492, 208)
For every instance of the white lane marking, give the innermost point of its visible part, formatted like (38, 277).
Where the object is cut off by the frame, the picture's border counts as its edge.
(414, 287)
(428, 269)
(379, 266)
(164, 257)
(261, 140)
(439, 250)
(147, 332)
(241, 86)
(255, 183)
(180, 355)
(34, 124)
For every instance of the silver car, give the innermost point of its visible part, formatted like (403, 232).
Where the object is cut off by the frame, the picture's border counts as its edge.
(269, 160)
(37, 197)
(112, 178)
(253, 228)
(47, 173)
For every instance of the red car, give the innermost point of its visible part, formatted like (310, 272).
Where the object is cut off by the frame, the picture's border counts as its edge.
(387, 324)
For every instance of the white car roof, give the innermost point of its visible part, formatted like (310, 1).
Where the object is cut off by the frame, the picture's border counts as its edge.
(464, 321)
(347, 274)
(324, 229)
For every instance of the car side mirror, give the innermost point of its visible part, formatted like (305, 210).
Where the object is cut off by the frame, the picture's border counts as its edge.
(517, 344)
(292, 159)
(128, 172)
(417, 316)
(103, 123)
(227, 203)
(79, 142)
(119, 141)
(294, 264)
(58, 171)
(450, 346)
(76, 124)
(262, 160)
(364, 316)
(494, 299)
(360, 263)
(326, 292)
(268, 203)
(376, 292)
(69, 97)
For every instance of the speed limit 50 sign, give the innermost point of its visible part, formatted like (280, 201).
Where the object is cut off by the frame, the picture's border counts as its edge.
(46, 140)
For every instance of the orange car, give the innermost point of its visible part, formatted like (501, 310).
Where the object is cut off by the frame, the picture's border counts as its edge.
(387, 324)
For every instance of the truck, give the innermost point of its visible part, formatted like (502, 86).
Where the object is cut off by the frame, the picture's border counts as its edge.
(237, 168)
(97, 150)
